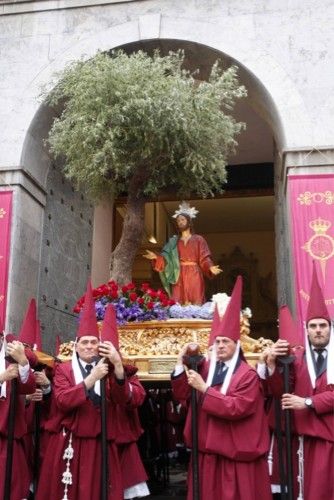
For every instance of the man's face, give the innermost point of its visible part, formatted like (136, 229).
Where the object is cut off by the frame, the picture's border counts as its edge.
(318, 330)
(87, 348)
(182, 222)
(225, 348)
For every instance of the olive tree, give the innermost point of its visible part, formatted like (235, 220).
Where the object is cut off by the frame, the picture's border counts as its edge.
(138, 124)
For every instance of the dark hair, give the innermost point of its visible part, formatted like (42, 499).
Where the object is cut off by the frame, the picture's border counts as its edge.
(190, 221)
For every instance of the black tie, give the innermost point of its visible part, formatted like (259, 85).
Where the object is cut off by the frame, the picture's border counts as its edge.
(95, 398)
(89, 369)
(320, 361)
(220, 373)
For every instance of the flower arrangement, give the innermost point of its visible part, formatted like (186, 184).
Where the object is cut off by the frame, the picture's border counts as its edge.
(131, 303)
(142, 303)
(191, 311)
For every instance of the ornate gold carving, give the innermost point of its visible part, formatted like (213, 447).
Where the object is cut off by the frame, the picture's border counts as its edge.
(161, 365)
(308, 198)
(154, 345)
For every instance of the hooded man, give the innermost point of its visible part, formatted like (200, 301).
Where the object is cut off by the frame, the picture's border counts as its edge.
(128, 425)
(232, 429)
(16, 370)
(72, 464)
(311, 397)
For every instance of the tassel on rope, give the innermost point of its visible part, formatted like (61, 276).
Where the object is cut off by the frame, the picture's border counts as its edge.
(300, 477)
(67, 475)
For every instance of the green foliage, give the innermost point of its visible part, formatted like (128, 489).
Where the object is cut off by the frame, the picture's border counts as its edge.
(130, 114)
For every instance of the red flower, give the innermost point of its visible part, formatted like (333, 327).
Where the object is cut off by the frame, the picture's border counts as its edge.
(133, 296)
(76, 309)
(114, 293)
(96, 293)
(104, 289)
(145, 287)
(150, 305)
(124, 288)
(131, 286)
(171, 302)
(152, 293)
(161, 294)
(140, 301)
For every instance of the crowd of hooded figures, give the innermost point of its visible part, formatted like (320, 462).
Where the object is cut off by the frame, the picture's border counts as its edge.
(70, 431)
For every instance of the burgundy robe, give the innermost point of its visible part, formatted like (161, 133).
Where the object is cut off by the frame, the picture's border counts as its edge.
(20, 471)
(128, 432)
(76, 414)
(233, 437)
(195, 261)
(316, 425)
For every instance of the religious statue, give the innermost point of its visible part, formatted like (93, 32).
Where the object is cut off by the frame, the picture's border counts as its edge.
(184, 260)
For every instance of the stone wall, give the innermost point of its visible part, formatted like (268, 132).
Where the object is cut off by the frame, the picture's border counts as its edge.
(285, 51)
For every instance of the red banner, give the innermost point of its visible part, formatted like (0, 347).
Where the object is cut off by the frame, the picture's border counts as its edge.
(312, 223)
(5, 226)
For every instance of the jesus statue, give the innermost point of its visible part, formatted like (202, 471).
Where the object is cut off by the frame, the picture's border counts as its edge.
(184, 260)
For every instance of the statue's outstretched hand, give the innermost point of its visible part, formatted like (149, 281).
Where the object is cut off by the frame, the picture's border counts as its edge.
(150, 255)
(215, 270)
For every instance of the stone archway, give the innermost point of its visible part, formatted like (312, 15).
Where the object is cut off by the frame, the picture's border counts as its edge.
(259, 72)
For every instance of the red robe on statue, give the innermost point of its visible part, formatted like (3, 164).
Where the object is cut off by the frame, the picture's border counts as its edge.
(76, 415)
(20, 471)
(233, 437)
(195, 261)
(317, 427)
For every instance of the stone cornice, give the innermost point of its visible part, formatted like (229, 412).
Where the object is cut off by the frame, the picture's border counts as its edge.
(12, 7)
(17, 176)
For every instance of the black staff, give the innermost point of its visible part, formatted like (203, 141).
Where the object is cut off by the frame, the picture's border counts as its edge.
(192, 359)
(10, 439)
(104, 442)
(280, 447)
(286, 361)
(37, 447)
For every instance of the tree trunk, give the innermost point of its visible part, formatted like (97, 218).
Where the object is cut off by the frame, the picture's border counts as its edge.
(123, 256)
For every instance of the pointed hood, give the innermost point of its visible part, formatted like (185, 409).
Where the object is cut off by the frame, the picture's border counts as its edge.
(287, 327)
(87, 321)
(229, 327)
(230, 324)
(316, 306)
(28, 329)
(317, 309)
(215, 326)
(109, 327)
